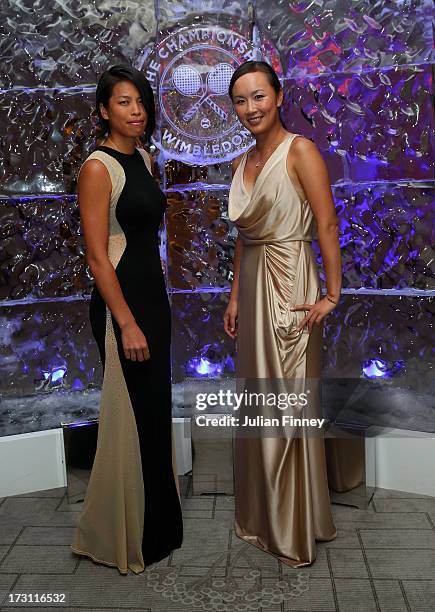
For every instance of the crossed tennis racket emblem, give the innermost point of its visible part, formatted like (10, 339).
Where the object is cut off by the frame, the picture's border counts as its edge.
(189, 82)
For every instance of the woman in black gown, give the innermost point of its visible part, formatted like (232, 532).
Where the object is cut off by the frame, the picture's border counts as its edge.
(131, 515)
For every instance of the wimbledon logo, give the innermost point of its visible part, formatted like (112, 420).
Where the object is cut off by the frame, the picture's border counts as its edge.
(190, 71)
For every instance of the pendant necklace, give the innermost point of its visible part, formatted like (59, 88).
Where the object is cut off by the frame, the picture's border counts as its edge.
(259, 158)
(110, 138)
(113, 143)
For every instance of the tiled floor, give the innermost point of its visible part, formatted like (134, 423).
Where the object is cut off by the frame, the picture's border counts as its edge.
(382, 560)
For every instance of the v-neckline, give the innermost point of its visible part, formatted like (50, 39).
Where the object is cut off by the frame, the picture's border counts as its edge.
(243, 164)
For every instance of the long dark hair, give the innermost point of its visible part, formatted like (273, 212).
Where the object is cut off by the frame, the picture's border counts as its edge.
(254, 66)
(108, 80)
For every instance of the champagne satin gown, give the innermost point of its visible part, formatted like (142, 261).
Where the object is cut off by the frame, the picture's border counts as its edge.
(282, 502)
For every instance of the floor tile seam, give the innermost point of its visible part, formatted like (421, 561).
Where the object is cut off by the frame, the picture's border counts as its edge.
(369, 572)
(18, 576)
(332, 579)
(11, 546)
(405, 597)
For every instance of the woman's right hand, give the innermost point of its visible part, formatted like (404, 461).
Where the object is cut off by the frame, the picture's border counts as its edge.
(134, 342)
(230, 318)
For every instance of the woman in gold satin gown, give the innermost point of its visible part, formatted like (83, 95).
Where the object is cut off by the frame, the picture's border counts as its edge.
(280, 195)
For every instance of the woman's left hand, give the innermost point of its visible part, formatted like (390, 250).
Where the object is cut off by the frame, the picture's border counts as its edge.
(316, 312)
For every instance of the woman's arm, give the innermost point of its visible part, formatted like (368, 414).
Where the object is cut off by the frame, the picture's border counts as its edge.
(234, 295)
(94, 189)
(313, 176)
(238, 246)
(230, 316)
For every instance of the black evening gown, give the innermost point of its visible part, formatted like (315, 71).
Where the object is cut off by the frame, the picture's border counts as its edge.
(131, 515)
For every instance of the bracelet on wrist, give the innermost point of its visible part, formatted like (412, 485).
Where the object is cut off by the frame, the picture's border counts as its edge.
(331, 300)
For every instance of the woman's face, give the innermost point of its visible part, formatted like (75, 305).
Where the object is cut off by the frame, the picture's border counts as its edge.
(126, 113)
(256, 102)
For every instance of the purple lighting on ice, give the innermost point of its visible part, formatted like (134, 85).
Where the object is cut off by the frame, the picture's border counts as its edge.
(380, 368)
(201, 366)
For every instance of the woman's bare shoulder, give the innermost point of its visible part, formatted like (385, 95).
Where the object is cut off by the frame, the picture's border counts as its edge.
(93, 167)
(302, 145)
(92, 173)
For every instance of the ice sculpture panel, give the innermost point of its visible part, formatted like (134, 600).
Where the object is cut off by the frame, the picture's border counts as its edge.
(318, 37)
(200, 347)
(378, 359)
(390, 328)
(386, 235)
(375, 126)
(174, 11)
(369, 127)
(70, 43)
(42, 250)
(21, 414)
(190, 70)
(348, 87)
(46, 346)
(180, 176)
(200, 239)
(49, 134)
